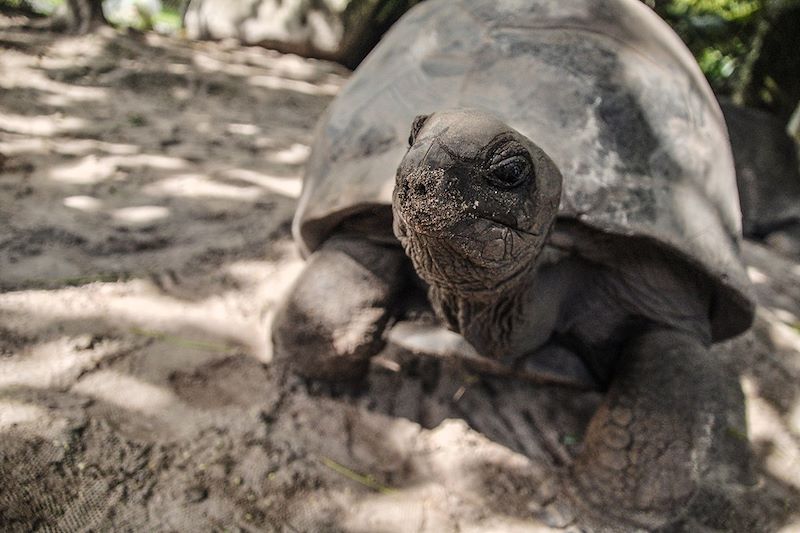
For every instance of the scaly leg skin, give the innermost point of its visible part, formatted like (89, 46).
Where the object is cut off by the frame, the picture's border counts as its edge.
(332, 320)
(670, 409)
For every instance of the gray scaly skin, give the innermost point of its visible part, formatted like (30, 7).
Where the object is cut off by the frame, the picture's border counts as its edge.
(475, 207)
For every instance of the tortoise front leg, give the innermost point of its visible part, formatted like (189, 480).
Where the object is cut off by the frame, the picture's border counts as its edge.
(332, 320)
(671, 412)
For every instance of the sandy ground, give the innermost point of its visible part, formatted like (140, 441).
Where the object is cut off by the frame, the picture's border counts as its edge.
(146, 192)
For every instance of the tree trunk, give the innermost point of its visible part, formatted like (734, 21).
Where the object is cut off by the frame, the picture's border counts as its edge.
(365, 22)
(768, 79)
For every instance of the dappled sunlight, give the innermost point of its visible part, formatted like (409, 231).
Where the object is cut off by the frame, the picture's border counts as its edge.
(277, 82)
(86, 171)
(777, 283)
(61, 94)
(13, 413)
(296, 154)
(140, 215)
(154, 164)
(786, 317)
(265, 282)
(23, 145)
(157, 405)
(756, 276)
(243, 129)
(445, 471)
(73, 51)
(310, 77)
(78, 147)
(63, 146)
(93, 168)
(59, 362)
(201, 186)
(793, 418)
(158, 161)
(87, 204)
(40, 125)
(784, 336)
(177, 68)
(212, 64)
(289, 187)
(23, 414)
(792, 527)
(128, 392)
(765, 424)
(287, 65)
(137, 306)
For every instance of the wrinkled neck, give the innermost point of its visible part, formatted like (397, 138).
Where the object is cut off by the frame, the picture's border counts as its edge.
(484, 301)
(486, 320)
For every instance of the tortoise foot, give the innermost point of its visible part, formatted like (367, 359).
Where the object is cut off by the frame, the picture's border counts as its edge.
(658, 432)
(333, 318)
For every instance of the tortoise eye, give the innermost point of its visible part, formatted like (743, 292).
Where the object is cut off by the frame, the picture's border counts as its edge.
(510, 172)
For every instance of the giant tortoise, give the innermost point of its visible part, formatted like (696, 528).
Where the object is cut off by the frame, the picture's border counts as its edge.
(566, 198)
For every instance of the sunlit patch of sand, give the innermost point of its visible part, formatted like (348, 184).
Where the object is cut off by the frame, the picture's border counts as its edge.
(57, 363)
(756, 276)
(766, 424)
(88, 170)
(244, 129)
(40, 125)
(296, 154)
(13, 413)
(137, 305)
(87, 204)
(277, 82)
(290, 187)
(201, 186)
(94, 169)
(128, 392)
(140, 215)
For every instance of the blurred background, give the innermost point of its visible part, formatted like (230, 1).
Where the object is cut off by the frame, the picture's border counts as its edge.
(746, 48)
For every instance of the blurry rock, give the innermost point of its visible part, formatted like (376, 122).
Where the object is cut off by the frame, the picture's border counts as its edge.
(768, 174)
(337, 30)
(308, 28)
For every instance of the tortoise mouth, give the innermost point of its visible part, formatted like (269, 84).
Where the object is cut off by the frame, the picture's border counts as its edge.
(476, 241)
(487, 242)
(512, 226)
(468, 264)
(470, 223)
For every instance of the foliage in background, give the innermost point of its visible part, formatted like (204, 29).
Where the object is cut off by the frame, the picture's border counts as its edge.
(748, 49)
(33, 7)
(718, 32)
(164, 16)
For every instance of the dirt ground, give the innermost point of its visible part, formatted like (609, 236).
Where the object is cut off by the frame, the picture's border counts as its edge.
(146, 190)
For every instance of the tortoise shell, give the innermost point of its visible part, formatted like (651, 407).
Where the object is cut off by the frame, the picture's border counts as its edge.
(603, 86)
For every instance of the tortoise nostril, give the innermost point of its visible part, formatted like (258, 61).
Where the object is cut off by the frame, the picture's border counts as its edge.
(420, 189)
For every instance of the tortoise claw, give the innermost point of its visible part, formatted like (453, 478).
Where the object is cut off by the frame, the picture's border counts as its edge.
(647, 448)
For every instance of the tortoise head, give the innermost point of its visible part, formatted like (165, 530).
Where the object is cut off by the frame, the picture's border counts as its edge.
(474, 201)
